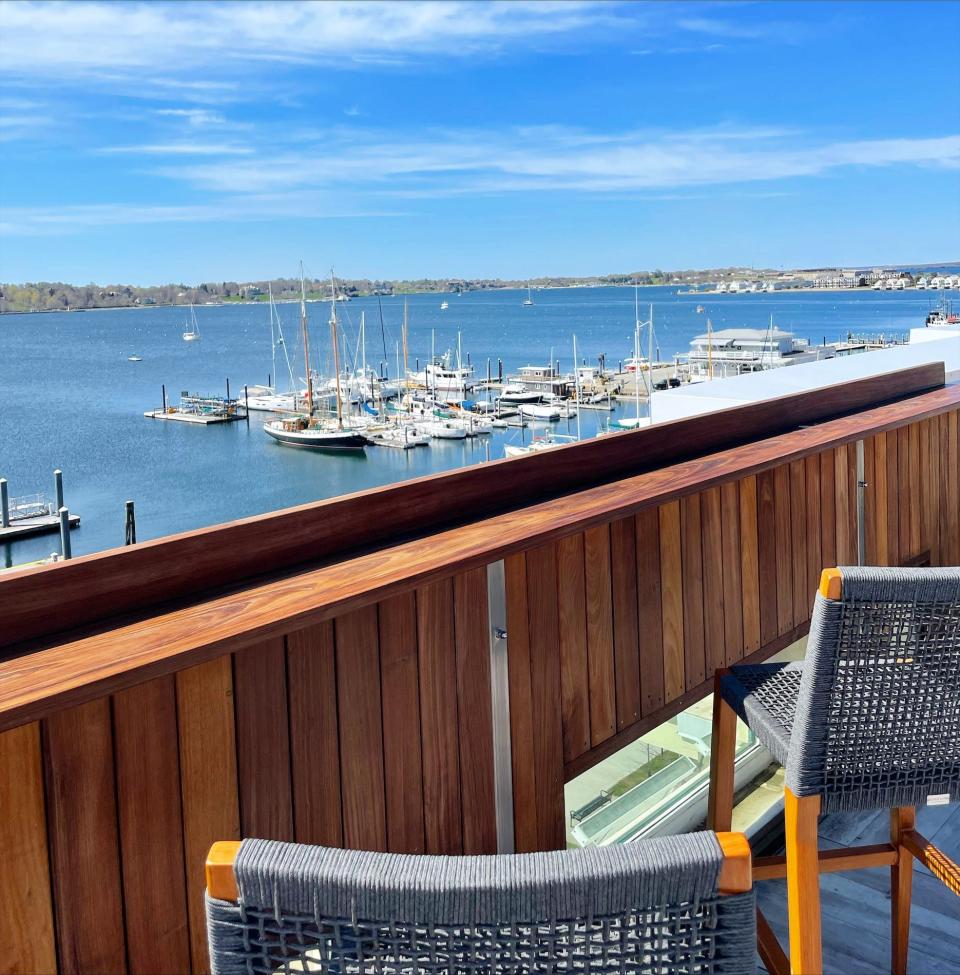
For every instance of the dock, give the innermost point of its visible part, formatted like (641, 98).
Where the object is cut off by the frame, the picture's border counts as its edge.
(35, 525)
(200, 408)
(204, 419)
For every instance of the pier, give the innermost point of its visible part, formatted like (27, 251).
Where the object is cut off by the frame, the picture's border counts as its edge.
(33, 514)
(201, 408)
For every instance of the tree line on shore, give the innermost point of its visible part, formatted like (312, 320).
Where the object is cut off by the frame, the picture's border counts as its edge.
(57, 296)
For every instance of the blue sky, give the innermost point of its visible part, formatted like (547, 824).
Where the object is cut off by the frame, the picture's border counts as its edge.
(145, 143)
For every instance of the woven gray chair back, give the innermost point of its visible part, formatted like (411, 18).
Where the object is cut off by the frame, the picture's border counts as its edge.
(648, 907)
(878, 712)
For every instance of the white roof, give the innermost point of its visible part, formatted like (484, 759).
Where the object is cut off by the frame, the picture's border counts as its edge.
(718, 394)
(745, 333)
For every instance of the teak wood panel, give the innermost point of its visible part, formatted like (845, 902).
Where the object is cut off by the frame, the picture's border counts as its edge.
(598, 625)
(83, 665)
(325, 736)
(150, 574)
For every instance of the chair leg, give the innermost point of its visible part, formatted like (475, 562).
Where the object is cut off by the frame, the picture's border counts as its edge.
(901, 888)
(723, 744)
(803, 883)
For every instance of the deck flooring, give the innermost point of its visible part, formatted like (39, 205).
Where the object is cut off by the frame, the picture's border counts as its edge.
(856, 905)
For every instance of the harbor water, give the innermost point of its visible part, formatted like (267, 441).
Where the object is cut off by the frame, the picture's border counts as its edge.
(70, 399)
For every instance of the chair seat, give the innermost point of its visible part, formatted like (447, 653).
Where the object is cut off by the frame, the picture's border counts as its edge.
(765, 698)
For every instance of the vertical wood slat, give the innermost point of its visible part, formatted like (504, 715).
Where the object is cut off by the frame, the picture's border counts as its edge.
(802, 599)
(749, 564)
(438, 718)
(151, 828)
(475, 711)
(767, 555)
(828, 509)
(916, 492)
(84, 841)
(877, 501)
(357, 655)
(545, 693)
(671, 593)
(263, 741)
(732, 568)
(574, 663)
(650, 609)
(904, 498)
(626, 638)
(783, 536)
(853, 494)
(314, 736)
(521, 705)
(893, 496)
(598, 590)
(26, 921)
(714, 629)
(694, 659)
(931, 487)
(953, 486)
(402, 753)
(814, 557)
(950, 490)
(209, 790)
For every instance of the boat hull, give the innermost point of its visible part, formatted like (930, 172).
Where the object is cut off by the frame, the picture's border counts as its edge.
(341, 440)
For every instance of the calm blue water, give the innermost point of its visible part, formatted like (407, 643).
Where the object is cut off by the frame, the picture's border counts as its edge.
(70, 399)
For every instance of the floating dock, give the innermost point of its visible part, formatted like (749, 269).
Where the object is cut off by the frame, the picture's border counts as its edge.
(204, 419)
(36, 525)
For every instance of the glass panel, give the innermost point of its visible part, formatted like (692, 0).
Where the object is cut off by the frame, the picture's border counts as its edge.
(622, 796)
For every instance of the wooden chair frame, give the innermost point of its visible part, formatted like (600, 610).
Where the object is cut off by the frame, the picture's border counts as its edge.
(804, 862)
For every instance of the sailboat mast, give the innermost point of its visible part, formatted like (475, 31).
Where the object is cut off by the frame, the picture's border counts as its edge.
(576, 383)
(336, 349)
(709, 349)
(363, 353)
(406, 378)
(306, 341)
(273, 341)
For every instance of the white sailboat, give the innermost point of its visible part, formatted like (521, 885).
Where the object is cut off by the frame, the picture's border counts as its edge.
(444, 305)
(642, 367)
(266, 398)
(529, 299)
(191, 330)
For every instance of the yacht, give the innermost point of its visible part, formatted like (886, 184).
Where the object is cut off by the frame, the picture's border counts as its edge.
(731, 351)
(445, 380)
(529, 299)
(546, 442)
(444, 305)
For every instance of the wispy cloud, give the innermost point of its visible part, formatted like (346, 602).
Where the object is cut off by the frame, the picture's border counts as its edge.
(41, 38)
(179, 149)
(197, 117)
(56, 221)
(556, 158)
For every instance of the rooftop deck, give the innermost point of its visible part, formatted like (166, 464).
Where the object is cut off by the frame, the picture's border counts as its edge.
(856, 906)
(421, 668)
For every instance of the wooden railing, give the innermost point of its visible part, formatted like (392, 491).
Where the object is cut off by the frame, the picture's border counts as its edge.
(331, 677)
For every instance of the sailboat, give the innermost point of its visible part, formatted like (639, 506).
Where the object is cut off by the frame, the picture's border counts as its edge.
(641, 367)
(529, 299)
(192, 332)
(311, 431)
(444, 305)
(266, 398)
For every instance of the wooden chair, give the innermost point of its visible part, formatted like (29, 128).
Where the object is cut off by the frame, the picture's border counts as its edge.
(671, 905)
(870, 720)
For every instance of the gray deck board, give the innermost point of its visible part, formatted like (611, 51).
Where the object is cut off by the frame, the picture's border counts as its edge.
(856, 905)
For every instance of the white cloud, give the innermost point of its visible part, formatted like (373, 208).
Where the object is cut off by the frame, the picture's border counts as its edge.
(555, 158)
(94, 37)
(197, 117)
(179, 149)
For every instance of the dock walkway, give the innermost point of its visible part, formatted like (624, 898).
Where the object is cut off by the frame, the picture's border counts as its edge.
(38, 525)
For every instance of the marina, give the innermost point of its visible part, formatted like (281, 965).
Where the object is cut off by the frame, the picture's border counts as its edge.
(181, 478)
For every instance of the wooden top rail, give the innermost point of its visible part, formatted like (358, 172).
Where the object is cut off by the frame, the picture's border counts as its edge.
(197, 564)
(82, 668)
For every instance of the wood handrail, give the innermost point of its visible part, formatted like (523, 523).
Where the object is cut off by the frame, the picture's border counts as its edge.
(152, 573)
(80, 668)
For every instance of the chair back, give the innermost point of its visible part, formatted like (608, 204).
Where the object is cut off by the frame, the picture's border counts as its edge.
(878, 711)
(650, 906)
